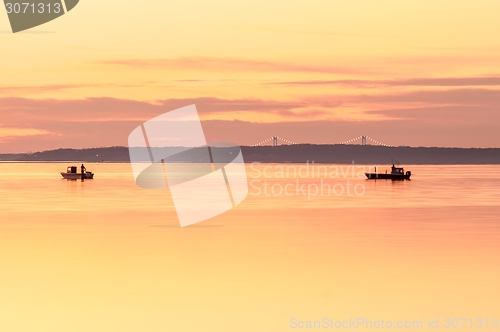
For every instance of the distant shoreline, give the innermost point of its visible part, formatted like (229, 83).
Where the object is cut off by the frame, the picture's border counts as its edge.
(319, 154)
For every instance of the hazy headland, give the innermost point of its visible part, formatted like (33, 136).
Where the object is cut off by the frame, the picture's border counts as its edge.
(342, 154)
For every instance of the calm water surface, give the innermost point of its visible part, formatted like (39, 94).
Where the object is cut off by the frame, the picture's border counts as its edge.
(105, 255)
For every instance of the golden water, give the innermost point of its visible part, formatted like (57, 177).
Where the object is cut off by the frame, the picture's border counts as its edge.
(105, 255)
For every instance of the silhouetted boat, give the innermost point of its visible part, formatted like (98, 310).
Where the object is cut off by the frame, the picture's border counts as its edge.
(397, 173)
(71, 174)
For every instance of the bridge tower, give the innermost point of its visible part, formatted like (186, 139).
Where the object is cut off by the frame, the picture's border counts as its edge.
(275, 140)
(363, 140)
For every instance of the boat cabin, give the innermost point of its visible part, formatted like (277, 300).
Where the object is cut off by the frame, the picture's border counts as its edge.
(72, 170)
(397, 170)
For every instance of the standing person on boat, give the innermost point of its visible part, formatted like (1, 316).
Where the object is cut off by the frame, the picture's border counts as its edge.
(84, 170)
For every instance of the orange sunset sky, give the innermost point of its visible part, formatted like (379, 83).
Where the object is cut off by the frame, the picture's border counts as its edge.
(403, 72)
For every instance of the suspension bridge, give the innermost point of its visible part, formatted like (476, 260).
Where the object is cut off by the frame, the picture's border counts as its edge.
(363, 139)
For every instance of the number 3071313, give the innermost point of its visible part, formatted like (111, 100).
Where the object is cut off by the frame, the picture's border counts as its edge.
(33, 8)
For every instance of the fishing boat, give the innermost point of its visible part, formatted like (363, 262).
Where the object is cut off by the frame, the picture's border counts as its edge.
(71, 174)
(397, 173)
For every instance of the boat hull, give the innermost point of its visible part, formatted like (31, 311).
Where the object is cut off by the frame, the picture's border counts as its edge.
(77, 176)
(377, 176)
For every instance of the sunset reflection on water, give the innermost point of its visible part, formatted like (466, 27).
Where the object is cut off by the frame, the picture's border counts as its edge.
(105, 255)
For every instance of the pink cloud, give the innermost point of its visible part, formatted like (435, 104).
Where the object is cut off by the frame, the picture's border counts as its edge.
(461, 117)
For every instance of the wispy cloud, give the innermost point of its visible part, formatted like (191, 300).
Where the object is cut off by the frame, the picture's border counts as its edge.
(307, 32)
(463, 97)
(16, 132)
(419, 82)
(474, 96)
(227, 64)
(48, 88)
(112, 109)
(484, 115)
